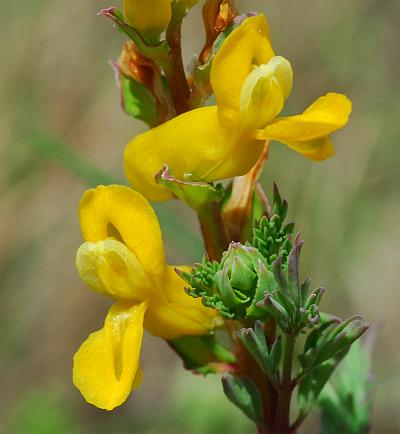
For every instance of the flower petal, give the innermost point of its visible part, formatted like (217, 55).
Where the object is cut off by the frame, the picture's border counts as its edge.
(106, 366)
(193, 143)
(246, 47)
(315, 149)
(120, 212)
(109, 267)
(264, 93)
(180, 315)
(307, 133)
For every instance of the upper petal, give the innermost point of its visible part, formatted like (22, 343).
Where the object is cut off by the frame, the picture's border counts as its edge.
(109, 267)
(246, 47)
(193, 143)
(329, 113)
(106, 366)
(180, 314)
(121, 212)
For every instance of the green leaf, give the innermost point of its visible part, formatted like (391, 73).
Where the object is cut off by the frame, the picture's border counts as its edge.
(245, 395)
(310, 387)
(255, 343)
(268, 358)
(324, 349)
(136, 99)
(346, 401)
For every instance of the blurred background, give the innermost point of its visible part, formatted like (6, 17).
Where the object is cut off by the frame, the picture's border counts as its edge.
(62, 131)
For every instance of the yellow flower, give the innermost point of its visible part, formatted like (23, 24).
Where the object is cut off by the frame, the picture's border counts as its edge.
(251, 86)
(150, 17)
(123, 257)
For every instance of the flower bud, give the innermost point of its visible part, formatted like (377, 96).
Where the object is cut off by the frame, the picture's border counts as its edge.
(237, 280)
(150, 17)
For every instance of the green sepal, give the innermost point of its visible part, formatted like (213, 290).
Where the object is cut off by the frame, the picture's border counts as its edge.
(136, 99)
(230, 297)
(194, 194)
(203, 354)
(266, 283)
(244, 394)
(158, 52)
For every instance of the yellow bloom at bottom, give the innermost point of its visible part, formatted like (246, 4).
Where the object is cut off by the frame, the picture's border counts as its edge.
(123, 257)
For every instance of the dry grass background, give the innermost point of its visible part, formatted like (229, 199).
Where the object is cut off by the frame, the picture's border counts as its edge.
(57, 88)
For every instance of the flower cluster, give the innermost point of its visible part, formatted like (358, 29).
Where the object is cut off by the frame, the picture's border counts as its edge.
(247, 281)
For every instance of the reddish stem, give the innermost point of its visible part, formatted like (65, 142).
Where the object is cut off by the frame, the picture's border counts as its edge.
(176, 71)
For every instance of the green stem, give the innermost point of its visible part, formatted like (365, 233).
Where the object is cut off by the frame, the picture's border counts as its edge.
(176, 71)
(282, 420)
(213, 230)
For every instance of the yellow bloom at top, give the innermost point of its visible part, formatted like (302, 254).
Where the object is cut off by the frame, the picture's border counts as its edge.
(251, 86)
(150, 17)
(123, 257)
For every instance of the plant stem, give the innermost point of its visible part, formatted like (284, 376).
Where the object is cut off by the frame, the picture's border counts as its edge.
(282, 422)
(176, 71)
(213, 230)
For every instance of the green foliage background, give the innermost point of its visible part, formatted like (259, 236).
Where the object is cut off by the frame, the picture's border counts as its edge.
(62, 131)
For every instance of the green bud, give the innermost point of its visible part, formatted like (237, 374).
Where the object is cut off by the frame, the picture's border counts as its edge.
(235, 285)
(237, 281)
(238, 261)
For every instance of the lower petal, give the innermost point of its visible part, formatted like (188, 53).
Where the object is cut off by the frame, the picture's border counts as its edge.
(106, 366)
(194, 143)
(326, 115)
(181, 315)
(317, 149)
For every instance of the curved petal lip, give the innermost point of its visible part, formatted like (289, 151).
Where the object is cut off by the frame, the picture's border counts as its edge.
(116, 208)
